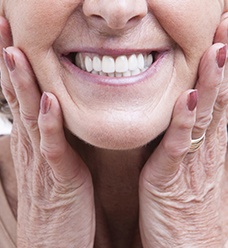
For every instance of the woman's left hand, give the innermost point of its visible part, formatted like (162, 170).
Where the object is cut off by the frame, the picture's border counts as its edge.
(180, 191)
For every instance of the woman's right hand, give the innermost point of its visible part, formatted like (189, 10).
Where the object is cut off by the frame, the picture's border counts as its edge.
(55, 191)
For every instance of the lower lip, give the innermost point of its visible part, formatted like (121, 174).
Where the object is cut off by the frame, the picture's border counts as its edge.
(115, 81)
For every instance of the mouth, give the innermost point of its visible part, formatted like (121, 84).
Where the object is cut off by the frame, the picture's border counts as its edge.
(113, 66)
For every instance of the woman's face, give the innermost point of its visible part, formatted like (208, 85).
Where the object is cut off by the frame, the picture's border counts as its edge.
(142, 54)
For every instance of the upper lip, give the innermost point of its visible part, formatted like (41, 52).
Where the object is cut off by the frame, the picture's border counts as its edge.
(70, 55)
(112, 51)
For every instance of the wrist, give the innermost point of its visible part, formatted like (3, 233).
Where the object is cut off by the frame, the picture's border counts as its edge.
(180, 227)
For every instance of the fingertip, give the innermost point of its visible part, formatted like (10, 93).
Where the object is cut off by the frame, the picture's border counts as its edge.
(50, 117)
(19, 59)
(9, 60)
(211, 68)
(192, 100)
(185, 107)
(49, 107)
(5, 33)
(221, 34)
(221, 56)
(45, 103)
(178, 135)
(8, 91)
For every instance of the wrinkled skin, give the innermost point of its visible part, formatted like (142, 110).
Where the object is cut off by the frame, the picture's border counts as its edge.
(179, 192)
(185, 29)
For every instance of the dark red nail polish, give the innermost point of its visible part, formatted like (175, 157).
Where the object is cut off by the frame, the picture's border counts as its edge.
(9, 60)
(45, 103)
(192, 100)
(221, 56)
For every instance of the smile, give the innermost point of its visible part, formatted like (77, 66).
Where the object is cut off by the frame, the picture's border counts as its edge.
(110, 66)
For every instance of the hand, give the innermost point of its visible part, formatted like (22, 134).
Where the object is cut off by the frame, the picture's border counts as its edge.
(180, 192)
(55, 191)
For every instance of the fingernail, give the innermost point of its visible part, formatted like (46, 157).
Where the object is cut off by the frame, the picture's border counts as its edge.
(9, 60)
(221, 56)
(45, 103)
(192, 100)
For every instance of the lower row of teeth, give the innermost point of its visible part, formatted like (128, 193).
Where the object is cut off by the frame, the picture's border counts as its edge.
(122, 66)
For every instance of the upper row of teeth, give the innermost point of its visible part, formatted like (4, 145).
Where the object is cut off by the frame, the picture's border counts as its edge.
(115, 67)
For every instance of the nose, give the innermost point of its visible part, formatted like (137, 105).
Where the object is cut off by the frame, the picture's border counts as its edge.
(117, 14)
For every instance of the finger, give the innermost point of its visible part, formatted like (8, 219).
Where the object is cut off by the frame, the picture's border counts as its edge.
(5, 33)
(221, 34)
(6, 40)
(220, 107)
(65, 163)
(164, 163)
(222, 99)
(25, 87)
(211, 72)
(9, 93)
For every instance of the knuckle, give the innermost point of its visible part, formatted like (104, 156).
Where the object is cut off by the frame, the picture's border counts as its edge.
(222, 100)
(215, 84)
(175, 152)
(29, 121)
(14, 105)
(20, 85)
(27, 152)
(185, 126)
(47, 128)
(51, 152)
(203, 121)
(8, 92)
(23, 150)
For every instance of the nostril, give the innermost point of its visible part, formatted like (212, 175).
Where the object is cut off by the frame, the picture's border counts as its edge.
(135, 19)
(97, 17)
(116, 14)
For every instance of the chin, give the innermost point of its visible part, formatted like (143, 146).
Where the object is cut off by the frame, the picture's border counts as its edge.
(118, 137)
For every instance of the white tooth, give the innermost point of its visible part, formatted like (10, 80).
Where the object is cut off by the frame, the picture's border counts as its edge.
(127, 74)
(88, 64)
(121, 64)
(144, 69)
(141, 62)
(132, 62)
(79, 61)
(97, 64)
(118, 74)
(145, 59)
(108, 64)
(95, 72)
(111, 74)
(102, 73)
(120, 67)
(149, 60)
(135, 72)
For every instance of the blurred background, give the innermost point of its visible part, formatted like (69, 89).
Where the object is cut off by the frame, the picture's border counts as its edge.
(5, 125)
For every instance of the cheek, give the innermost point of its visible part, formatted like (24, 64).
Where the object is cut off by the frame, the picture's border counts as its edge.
(39, 22)
(190, 23)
